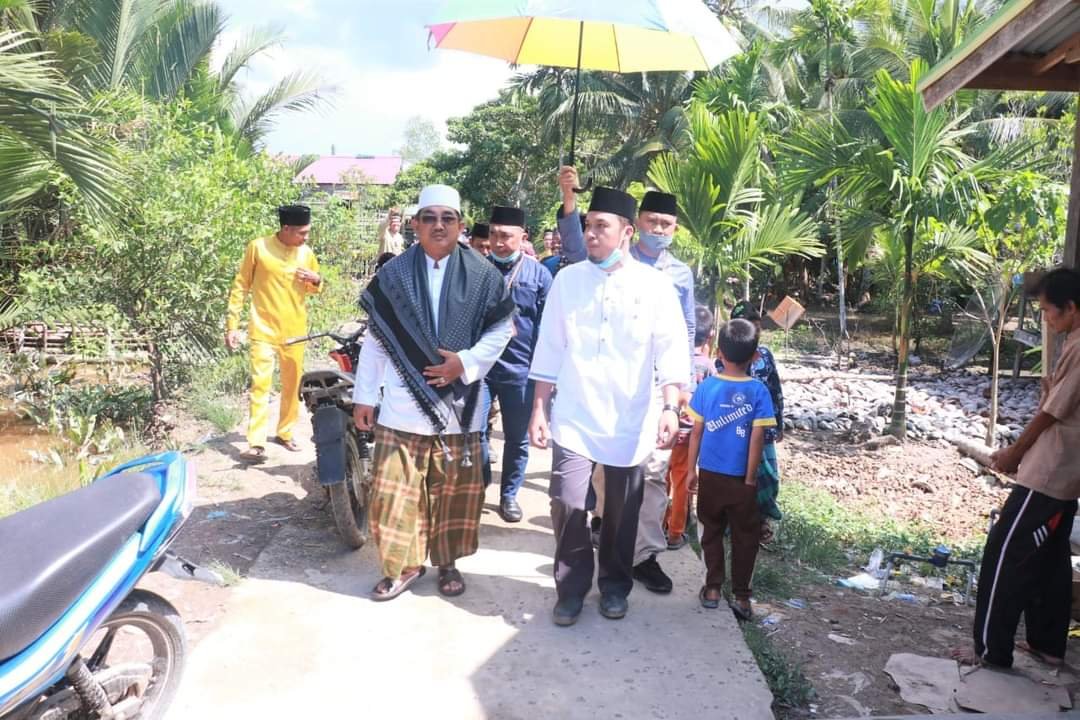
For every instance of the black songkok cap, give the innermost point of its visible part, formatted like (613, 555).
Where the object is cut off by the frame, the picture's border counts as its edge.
(298, 215)
(481, 230)
(502, 215)
(659, 202)
(610, 200)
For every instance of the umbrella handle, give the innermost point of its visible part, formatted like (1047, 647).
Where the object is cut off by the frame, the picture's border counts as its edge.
(585, 188)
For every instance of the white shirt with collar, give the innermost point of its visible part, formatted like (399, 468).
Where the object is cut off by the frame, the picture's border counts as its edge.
(605, 340)
(397, 409)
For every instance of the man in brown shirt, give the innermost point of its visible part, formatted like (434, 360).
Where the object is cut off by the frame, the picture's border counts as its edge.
(1026, 563)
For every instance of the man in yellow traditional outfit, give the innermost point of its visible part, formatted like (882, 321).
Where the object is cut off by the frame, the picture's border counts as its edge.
(279, 271)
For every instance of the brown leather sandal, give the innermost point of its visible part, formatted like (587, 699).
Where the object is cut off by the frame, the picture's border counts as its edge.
(254, 455)
(289, 445)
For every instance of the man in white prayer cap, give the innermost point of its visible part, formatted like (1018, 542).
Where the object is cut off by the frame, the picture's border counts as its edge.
(439, 317)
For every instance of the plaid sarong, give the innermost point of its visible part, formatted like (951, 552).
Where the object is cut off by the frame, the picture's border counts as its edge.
(421, 502)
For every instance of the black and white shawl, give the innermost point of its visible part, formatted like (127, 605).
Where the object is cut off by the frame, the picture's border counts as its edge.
(474, 299)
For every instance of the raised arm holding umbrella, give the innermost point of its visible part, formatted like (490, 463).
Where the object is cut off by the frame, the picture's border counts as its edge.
(612, 35)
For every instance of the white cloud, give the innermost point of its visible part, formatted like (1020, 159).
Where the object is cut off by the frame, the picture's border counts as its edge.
(302, 8)
(371, 105)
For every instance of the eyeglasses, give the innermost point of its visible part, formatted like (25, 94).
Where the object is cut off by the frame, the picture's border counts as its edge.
(432, 218)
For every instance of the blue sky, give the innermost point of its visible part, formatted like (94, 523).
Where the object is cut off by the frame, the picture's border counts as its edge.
(375, 54)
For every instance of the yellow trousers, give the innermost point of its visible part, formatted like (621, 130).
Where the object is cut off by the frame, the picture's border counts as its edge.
(291, 360)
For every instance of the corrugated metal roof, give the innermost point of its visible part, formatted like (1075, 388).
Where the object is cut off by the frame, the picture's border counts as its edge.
(339, 170)
(1052, 33)
(998, 20)
(1048, 35)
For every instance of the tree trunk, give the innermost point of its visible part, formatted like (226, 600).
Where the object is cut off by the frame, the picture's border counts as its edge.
(821, 276)
(157, 373)
(898, 426)
(995, 368)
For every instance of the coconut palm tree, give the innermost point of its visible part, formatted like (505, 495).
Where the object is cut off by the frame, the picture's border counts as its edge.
(625, 118)
(161, 49)
(40, 136)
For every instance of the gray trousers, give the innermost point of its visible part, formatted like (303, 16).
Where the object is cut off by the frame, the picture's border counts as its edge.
(651, 538)
(571, 496)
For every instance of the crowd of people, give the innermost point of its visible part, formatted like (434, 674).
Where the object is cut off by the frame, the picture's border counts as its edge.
(598, 350)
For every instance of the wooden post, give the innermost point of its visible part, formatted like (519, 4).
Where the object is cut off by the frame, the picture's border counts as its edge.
(1072, 230)
(1051, 344)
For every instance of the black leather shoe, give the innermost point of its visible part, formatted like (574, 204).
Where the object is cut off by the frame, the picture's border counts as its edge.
(652, 576)
(509, 510)
(566, 611)
(613, 607)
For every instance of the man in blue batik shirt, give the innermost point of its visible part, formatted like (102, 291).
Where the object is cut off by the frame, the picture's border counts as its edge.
(656, 223)
(528, 282)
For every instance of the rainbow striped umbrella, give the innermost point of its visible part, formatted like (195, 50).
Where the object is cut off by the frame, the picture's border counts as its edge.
(612, 35)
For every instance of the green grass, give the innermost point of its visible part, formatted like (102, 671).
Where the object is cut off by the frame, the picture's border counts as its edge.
(229, 575)
(217, 389)
(788, 683)
(223, 412)
(227, 375)
(38, 485)
(820, 533)
(38, 482)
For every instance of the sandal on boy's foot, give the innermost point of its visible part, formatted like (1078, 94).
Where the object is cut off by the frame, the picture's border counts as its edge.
(707, 602)
(289, 445)
(448, 577)
(388, 588)
(677, 543)
(767, 533)
(743, 610)
(253, 455)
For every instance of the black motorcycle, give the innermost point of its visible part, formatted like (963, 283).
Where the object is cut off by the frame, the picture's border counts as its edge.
(343, 453)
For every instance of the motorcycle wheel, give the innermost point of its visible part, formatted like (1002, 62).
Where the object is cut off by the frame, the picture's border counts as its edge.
(349, 499)
(141, 687)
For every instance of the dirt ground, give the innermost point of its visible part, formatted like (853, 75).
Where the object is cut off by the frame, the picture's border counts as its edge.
(238, 512)
(844, 638)
(916, 482)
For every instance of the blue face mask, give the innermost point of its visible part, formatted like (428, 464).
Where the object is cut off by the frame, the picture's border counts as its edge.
(654, 243)
(612, 260)
(508, 259)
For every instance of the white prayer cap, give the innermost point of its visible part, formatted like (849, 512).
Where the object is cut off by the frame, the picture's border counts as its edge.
(443, 195)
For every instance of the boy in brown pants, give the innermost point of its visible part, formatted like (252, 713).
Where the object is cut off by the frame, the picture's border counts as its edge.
(731, 412)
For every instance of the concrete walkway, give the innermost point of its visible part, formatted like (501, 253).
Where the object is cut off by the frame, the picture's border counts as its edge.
(300, 639)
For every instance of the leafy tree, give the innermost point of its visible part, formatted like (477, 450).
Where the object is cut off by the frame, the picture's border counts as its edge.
(410, 181)
(422, 140)
(1022, 229)
(164, 272)
(501, 161)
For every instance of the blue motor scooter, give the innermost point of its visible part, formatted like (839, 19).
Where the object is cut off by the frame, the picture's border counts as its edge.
(77, 639)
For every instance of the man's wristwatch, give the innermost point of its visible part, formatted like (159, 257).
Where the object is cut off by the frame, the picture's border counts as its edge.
(672, 408)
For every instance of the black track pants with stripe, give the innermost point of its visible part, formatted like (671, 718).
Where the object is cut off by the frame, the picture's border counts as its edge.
(1025, 571)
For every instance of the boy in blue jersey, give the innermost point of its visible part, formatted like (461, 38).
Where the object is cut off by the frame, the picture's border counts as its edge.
(731, 412)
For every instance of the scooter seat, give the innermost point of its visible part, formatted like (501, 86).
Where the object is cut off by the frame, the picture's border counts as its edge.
(51, 553)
